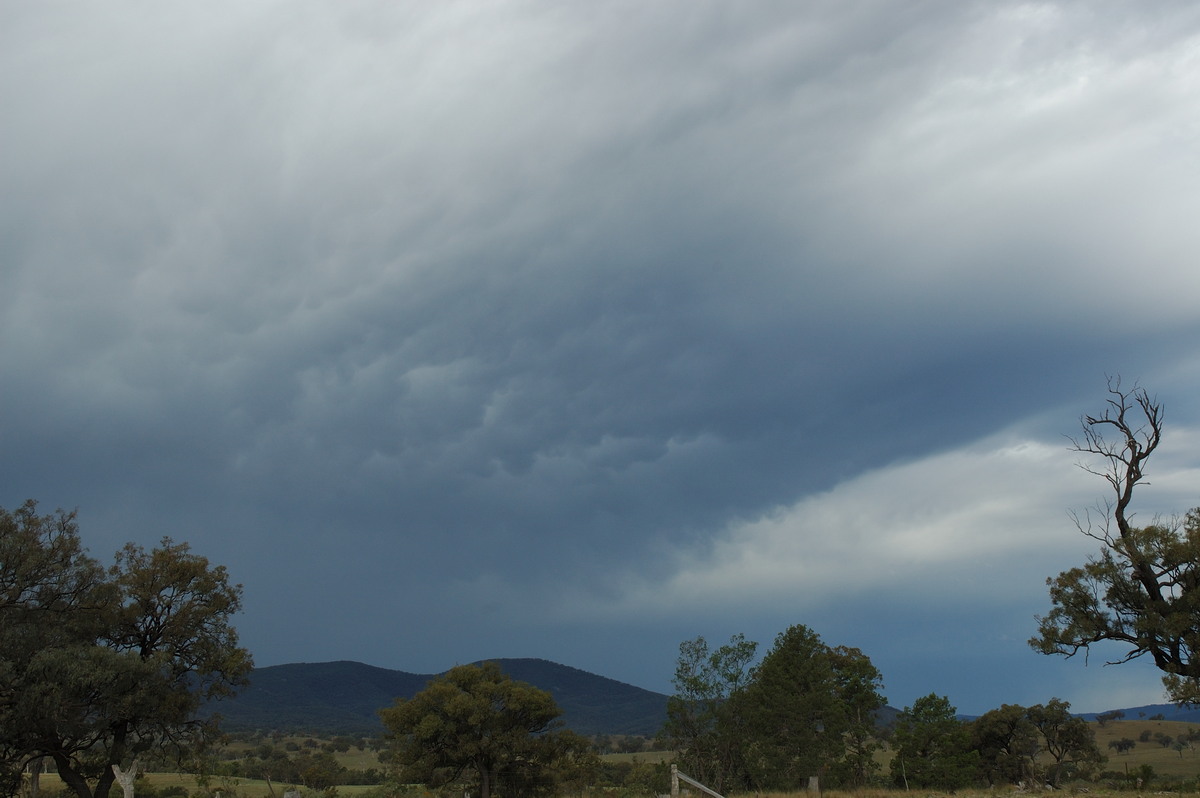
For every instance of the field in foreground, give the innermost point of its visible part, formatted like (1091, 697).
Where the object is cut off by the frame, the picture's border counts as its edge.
(255, 789)
(1171, 765)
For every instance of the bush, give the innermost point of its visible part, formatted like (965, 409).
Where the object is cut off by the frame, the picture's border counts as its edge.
(1137, 778)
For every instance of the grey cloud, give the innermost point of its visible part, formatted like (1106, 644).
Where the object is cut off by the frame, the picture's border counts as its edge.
(522, 296)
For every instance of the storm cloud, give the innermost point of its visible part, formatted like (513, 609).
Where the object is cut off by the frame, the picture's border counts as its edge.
(468, 330)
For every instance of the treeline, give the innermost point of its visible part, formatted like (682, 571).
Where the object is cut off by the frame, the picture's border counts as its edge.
(310, 762)
(314, 765)
(314, 769)
(809, 709)
(1041, 744)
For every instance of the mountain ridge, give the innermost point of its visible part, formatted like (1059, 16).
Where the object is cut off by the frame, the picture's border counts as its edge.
(344, 697)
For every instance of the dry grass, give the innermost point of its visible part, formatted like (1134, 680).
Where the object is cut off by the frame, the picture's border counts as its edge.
(244, 788)
(1168, 763)
(1090, 792)
(1165, 761)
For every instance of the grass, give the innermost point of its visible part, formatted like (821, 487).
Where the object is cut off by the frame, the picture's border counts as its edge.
(653, 757)
(1165, 761)
(245, 788)
(1168, 763)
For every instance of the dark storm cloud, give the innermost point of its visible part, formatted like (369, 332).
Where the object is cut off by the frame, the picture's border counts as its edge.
(526, 315)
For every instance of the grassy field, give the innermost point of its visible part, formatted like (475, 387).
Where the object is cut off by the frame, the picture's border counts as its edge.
(1169, 764)
(1165, 760)
(244, 788)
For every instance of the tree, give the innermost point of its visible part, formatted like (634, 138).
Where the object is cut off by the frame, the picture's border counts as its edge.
(806, 709)
(859, 687)
(1122, 746)
(50, 594)
(44, 570)
(804, 702)
(126, 663)
(701, 725)
(476, 723)
(1143, 589)
(1008, 744)
(166, 649)
(1015, 743)
(932, 747)
(1068, 740)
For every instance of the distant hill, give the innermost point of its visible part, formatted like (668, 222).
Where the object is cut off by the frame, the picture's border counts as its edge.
(1187, 714)
(329, 698)
(343, 698)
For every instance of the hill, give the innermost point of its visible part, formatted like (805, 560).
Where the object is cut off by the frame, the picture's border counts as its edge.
(1185, 714)
(343, 697)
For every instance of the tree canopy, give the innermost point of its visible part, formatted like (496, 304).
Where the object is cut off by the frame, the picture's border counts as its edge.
(701, 725)
(805, 710)
(1142, 591)
(100, 666)
(475, 724)
(932, 747)
(1043, 743)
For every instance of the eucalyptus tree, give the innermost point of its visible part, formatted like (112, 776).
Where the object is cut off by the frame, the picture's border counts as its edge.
(1067, 740)
(101, 667)
(1142, 590)
(701, 725)
(476, 725)
(1008, 744)
(51, 594)
(808, 711)
(932, 747)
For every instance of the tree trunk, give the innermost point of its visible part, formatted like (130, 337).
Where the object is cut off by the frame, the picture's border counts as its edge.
(485, 782)
(35, 777)
(70, 777)
(103, 784)
(125, 777)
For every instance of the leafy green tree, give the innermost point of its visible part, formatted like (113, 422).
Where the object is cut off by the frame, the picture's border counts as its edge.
(1068, 740)
(166, 649)
(790, 711)
(701, 725)
(51, 594)
(1008, 744)
(1142, 590)
(859, 687)
(319, 771)
(1122, 746)
(932, 747)
(804, 702)
(1015, 742)
(571, 764)
(476, 724)
(806, 709)
(44, 571)
(100, 668)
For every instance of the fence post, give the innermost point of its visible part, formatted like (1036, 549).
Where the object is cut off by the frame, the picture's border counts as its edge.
(674, 781)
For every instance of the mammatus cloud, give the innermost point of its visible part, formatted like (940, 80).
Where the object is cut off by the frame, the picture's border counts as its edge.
(537, 315)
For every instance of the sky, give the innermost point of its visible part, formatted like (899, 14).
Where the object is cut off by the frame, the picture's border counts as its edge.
(467, 330)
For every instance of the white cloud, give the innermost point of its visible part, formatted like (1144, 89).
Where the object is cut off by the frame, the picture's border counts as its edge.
(972, 525)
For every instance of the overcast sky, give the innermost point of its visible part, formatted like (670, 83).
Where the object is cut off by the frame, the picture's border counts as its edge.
(462, 330)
